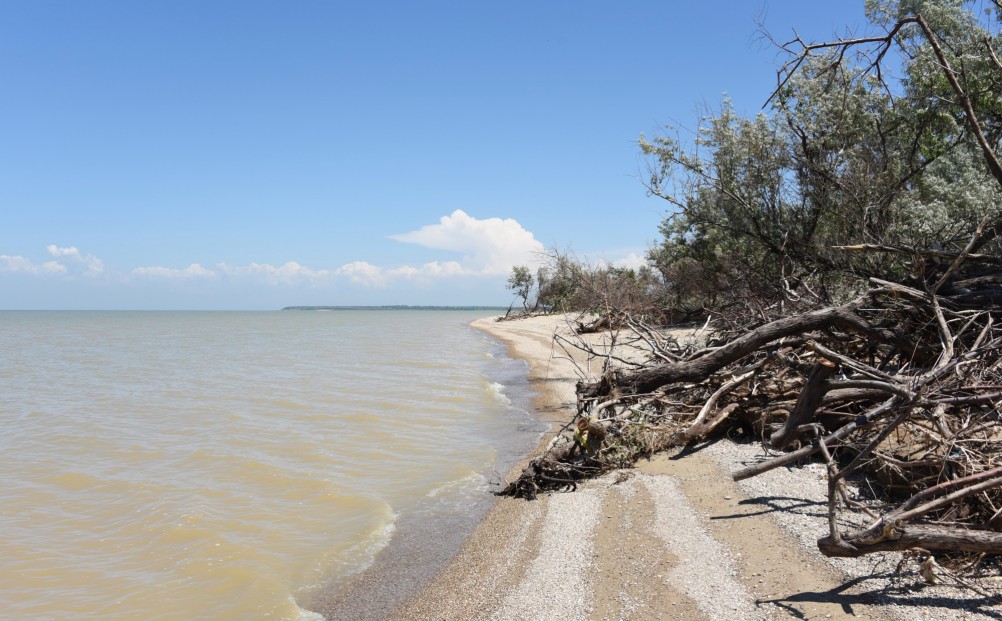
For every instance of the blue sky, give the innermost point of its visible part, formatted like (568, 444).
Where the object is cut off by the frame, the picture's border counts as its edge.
(253, 155)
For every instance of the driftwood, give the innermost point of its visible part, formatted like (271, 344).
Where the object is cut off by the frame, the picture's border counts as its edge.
(557, 469)
(891, 533)
(810, 399)
(898, 386)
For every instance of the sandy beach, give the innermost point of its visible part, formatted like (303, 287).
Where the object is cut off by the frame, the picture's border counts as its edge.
(674, 538)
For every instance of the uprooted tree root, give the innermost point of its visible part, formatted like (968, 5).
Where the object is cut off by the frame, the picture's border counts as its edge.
(899, 386)
(552, 471)
(559, 469)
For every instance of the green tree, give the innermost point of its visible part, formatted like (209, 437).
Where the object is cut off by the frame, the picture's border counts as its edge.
(560, 282)
(950, 86)
(762, 208)
(520, 282)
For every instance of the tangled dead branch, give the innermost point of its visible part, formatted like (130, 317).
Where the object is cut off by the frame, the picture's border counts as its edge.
(899, 386)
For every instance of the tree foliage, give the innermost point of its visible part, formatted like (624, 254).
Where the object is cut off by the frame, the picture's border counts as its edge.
(877, 157)
(520, 282)
(873, 153)
(884, 140)
(567, 283)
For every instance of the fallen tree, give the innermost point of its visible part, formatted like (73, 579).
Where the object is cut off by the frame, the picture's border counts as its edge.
(899, 385)
(897, 390)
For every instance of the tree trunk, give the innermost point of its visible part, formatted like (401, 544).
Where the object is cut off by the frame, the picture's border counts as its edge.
(647, 380)
(807, 404)
(931, 538)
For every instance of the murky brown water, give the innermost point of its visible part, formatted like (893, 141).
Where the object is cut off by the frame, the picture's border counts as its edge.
(231, 465)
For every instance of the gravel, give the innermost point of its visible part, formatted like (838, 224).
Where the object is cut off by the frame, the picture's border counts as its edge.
(555, 584)
(706, 570)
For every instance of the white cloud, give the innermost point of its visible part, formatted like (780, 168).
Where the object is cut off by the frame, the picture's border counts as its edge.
(631, 261)
(287, 273)
(57, 252)
(363, 273)
(486, 248)
(489, 247)
(94, 265)
(370, 275)
(433, 270)
(25, 265)
(192, 271)
(53, 267)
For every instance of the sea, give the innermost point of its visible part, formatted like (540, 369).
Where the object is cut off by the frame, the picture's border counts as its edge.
(240, 465)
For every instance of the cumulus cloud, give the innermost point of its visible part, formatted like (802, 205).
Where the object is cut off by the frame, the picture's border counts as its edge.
(631, 261)
(94, 266)
(435, 269)
(363, 272)
(56, 251)
(489, 247)
(479, 248)
(370, 275)
(192, 271)
(24, 265)
(287, 273)
(91, 265)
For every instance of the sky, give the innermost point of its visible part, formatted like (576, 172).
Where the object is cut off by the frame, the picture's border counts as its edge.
(250, 155)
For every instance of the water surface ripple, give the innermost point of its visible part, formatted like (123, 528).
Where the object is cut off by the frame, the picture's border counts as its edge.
(230, 465)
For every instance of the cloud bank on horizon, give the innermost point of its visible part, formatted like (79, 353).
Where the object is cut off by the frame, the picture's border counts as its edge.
(476, 248)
